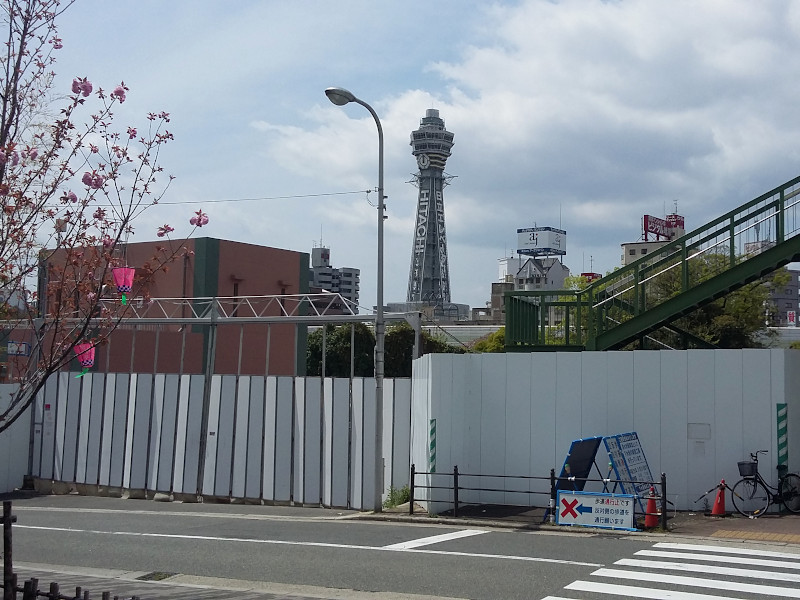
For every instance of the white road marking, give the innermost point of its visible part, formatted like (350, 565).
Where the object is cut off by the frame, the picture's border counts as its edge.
(715, 584)
(434, 539)
(727, 550)
(639, 592)
(740, 560)
(315, 544)
(695, 568)
(186, 513)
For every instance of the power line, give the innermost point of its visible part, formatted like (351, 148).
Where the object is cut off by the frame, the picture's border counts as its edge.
(176, 202)
(265, 198)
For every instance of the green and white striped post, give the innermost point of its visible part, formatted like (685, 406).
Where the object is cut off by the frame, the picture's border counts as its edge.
(432, 455)
(783, 434)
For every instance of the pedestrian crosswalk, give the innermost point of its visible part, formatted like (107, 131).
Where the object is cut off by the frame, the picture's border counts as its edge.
(673, 571)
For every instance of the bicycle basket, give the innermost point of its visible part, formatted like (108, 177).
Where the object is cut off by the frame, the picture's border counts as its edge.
(747, 468)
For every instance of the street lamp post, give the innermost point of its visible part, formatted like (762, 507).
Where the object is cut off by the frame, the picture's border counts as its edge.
(340, 97)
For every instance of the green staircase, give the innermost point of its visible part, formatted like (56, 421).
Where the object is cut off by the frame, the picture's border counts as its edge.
(649, 294)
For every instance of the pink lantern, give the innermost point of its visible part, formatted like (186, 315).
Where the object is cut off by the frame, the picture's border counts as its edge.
(85, 353)
(123, 279)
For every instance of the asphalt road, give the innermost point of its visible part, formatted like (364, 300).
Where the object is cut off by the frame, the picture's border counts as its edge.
(334, 554)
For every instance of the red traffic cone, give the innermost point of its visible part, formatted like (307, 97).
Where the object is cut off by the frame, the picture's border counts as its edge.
(719, 502)
(651, 517)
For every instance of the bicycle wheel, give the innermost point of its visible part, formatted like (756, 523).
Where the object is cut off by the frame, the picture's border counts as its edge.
(790, 493)
(750, 497)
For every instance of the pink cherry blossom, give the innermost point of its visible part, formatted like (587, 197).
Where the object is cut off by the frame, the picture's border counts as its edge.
(93, 180)
(107, 241)
(119, 93)
(165, 230)
(81, 85)
(71, 196)
(131, 132)
(2, 157)
(199, 219)
(14, 158)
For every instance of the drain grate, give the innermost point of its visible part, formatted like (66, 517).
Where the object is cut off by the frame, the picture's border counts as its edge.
(156, 576)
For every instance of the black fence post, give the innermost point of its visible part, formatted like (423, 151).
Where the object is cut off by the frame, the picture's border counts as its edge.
(54, 591)
(411, 491)
(664, 501)
(455, 491)
(552, 515)
(29, 589)
(9, 583)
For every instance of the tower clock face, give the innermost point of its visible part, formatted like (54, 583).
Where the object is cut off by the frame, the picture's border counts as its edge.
(423, 161)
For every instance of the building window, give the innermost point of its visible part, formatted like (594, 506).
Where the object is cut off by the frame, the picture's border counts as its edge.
(644, 250)
(632, 252)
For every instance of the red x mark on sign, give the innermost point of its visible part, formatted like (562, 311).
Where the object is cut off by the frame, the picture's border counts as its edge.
(569, 508)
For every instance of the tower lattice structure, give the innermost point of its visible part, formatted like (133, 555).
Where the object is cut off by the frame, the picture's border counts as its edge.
(429, 276)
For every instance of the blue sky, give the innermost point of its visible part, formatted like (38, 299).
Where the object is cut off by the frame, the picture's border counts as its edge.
(583, 115)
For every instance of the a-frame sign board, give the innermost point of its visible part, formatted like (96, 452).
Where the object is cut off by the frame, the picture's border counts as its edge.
(626, 457)
(578, 464)
(626, 463)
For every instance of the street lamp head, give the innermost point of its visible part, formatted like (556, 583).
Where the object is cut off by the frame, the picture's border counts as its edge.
(339, 96)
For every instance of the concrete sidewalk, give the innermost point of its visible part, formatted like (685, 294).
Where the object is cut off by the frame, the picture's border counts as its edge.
(129, 584)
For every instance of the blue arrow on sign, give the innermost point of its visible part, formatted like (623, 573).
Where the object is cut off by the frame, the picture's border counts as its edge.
(584, 509)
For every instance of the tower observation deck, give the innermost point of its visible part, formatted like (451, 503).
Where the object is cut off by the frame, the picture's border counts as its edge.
(429, 276)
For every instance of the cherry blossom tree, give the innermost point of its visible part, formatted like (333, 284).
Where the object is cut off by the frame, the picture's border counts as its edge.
(72, 185)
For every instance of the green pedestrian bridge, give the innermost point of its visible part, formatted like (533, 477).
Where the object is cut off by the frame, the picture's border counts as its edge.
(650, 294)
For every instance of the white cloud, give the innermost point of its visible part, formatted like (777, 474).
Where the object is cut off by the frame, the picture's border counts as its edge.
(582, 113)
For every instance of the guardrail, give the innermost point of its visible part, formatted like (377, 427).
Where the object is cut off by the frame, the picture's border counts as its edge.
(555, 484)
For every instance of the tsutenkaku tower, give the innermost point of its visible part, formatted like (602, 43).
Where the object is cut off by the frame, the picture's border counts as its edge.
(429, 277)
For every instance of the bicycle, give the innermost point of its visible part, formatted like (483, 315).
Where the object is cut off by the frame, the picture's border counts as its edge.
(752, 495)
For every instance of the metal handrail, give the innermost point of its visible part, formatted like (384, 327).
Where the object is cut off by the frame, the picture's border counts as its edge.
(734, 238)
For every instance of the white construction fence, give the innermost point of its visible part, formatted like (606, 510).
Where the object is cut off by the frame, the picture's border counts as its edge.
(697, 413)
(277, 439)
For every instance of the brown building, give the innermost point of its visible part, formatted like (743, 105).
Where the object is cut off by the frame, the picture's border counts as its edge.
(211, 268)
